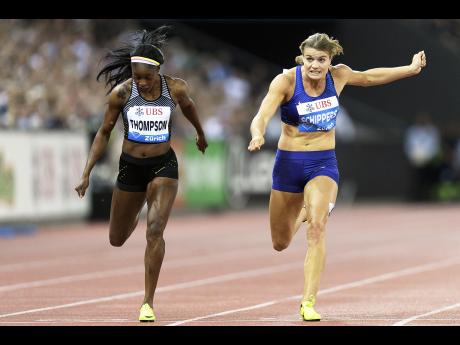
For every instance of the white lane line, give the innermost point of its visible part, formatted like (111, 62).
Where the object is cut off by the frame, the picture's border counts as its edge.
(78, 259)
(131, 270)
(73, 278)
(440, 310)
(231, 276)
(395, 274)
(358, 283)
(262, 305)
(61, 306)
(194, 283)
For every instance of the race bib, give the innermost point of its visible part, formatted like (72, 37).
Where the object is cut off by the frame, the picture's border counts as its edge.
(318, 115)
(148, 123)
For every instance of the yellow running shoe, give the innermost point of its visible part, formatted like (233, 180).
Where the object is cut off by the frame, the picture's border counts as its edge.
(307, 312)
(146, 313)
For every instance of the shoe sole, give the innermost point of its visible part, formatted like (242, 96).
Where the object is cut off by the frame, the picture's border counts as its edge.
(148, 320)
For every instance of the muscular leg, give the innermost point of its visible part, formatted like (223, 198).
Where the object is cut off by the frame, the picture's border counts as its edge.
(161, 193)
(319, 192)
(124, 215)
(284, 209)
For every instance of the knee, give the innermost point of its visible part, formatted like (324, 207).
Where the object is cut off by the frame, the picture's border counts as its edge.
(280, 245)
(155, 230)
(116, 241)
(154, 237)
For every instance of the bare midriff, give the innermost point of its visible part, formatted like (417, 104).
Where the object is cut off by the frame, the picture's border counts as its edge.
(293, 140)
(140, 150)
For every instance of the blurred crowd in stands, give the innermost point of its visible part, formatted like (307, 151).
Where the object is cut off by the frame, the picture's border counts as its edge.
(49, 67)
(47, 72)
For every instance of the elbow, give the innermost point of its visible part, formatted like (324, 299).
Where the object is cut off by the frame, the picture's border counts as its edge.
(188, 111)
(104, 132)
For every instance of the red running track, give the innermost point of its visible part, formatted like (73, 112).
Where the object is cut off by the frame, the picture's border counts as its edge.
(386, 265)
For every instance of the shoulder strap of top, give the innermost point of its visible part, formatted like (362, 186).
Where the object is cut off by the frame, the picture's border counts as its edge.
(164, 87)
(330, 82)
(134, 91)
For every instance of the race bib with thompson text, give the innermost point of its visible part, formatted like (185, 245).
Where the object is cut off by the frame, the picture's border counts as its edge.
(148, 124)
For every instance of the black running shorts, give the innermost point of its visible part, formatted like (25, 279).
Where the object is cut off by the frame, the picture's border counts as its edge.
(135, 173)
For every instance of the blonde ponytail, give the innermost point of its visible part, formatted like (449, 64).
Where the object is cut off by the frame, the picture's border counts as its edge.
(299, 60)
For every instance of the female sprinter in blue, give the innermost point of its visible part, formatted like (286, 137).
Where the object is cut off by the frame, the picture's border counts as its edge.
(148, 166)
(305, 173)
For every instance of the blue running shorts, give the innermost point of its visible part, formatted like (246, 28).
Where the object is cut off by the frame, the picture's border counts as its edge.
(293, 169)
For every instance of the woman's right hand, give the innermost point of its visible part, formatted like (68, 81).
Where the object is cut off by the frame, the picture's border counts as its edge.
(81, 188)
(256, 143)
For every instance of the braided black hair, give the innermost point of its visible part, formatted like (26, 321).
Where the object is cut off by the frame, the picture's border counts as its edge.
(144, 43)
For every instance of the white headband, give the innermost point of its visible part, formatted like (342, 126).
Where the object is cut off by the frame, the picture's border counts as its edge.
(141, 59)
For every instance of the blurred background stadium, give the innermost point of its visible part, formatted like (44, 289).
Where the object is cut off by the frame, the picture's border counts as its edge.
(395, 143)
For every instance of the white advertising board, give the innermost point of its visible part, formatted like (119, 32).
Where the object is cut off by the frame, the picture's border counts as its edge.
(38, 174)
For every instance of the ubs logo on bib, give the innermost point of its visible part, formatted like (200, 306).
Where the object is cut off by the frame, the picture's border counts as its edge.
(139, 111)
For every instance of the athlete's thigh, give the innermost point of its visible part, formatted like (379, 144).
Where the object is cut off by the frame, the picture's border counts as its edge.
(284, 208)
(124, 210)
(319, 193)
(161, 193)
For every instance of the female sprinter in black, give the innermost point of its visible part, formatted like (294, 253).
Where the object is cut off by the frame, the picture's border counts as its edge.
(148, 169)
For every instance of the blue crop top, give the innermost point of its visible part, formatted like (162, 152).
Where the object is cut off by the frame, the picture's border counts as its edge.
(311, 114)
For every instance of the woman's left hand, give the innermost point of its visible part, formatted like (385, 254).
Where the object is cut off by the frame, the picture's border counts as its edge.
(418, 61)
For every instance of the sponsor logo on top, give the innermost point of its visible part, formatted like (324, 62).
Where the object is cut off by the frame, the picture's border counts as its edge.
(317, 105)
